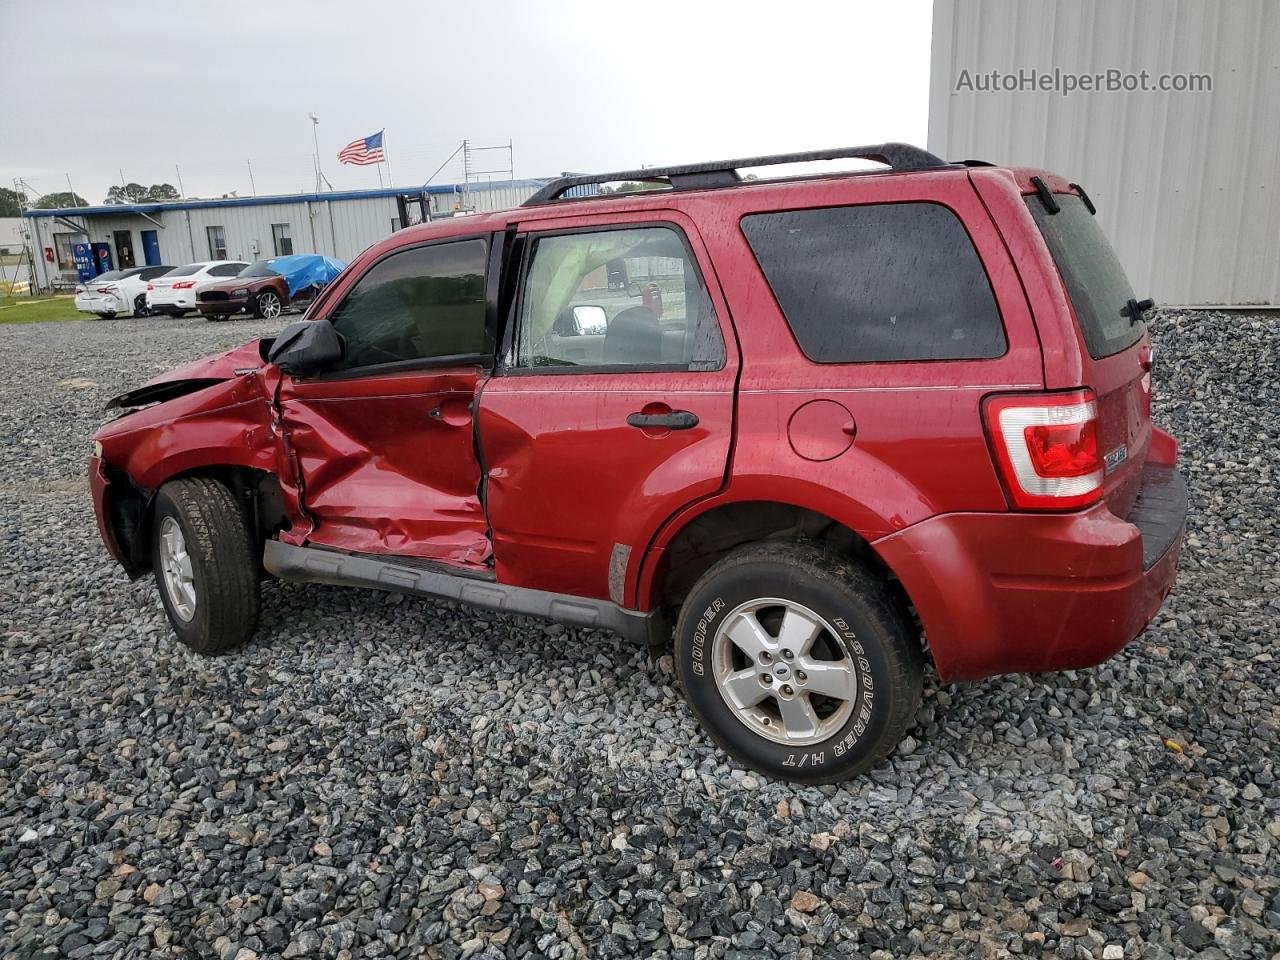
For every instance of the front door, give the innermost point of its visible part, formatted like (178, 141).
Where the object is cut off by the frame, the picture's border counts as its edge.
(383, 449)
(613, 406)
(124, 248)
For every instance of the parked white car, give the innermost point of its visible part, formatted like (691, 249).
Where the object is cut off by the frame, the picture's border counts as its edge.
(175, 292)
(118, 291)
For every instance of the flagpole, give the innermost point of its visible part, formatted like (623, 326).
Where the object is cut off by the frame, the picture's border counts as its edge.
(386, 158)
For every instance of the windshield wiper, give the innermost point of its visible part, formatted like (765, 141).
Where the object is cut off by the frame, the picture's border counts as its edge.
(1134, 309)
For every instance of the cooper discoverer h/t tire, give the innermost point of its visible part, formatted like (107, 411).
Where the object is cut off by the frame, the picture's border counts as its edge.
(800, 663)
(205, 565)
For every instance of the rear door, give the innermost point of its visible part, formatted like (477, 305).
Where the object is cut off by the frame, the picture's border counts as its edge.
(1118, 365)
(383, 449)
(613, 405)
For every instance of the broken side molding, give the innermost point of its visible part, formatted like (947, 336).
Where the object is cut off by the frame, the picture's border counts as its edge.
(312, 565)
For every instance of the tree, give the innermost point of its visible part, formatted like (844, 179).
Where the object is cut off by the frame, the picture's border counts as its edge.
(633, 186)
(137, 193)
(11, 202)
(54, 201)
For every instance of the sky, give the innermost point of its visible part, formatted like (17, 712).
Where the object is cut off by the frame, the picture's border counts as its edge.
(212, 89)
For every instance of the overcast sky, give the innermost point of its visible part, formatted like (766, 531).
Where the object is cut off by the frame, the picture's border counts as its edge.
(139, 86)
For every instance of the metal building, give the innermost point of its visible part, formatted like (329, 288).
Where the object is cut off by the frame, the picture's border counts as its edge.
(1185, 181)
(337, 224)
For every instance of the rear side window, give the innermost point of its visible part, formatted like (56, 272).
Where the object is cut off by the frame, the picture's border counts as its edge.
(878, 282)
(1099, 290)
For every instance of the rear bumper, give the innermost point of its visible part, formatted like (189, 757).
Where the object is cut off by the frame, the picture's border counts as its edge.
(1028, 592)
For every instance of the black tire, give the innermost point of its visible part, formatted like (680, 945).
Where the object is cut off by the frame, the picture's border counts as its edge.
(140, 308)
(107, 316)
(224, 567)
(178, 313)
(870, 627)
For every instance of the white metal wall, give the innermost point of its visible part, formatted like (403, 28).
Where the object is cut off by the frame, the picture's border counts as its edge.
(336, 228)
(1185, 183)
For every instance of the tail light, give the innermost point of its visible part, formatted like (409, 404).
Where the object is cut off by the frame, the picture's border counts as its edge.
(150, 287)
(1046, 446)
(184, 285)
(109, 288)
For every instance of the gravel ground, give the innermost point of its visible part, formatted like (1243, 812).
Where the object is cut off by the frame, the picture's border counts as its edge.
(382, 777)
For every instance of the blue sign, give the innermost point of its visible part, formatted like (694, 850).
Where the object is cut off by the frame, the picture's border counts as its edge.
(83, 255)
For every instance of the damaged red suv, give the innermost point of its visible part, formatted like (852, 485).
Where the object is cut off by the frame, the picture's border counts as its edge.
(822, 428)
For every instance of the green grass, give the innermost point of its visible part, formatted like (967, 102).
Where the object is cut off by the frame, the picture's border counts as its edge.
(37, 309)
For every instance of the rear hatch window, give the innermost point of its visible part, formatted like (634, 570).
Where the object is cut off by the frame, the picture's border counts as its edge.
(1099, 290)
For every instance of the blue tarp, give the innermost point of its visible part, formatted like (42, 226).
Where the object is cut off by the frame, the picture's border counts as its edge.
(304, 270)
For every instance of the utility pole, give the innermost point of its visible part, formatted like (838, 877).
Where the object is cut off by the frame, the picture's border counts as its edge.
(181, 191)
(252, 187)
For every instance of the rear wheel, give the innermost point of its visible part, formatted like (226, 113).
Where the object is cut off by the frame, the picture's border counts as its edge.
(267, 305)
(205, 566)
(800, 664)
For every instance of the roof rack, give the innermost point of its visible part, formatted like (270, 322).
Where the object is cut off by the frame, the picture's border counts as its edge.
(724, 173)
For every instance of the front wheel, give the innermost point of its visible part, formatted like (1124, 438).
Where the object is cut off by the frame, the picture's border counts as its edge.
(202, 551)
(140, 308)
(799, 663)
(267, 305)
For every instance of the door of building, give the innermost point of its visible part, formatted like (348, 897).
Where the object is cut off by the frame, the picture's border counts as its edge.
(124, 248)
(151, 248)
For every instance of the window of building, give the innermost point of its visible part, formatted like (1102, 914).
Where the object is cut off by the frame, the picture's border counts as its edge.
(616, 298)
(878, 282)
(420, 304)
(217, 243)
(281, 239)
(63, 245)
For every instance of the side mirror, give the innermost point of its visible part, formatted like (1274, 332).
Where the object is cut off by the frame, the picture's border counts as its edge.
(590, 320)
(307, 347)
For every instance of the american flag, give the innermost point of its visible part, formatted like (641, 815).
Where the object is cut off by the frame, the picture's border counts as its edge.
(364, 151)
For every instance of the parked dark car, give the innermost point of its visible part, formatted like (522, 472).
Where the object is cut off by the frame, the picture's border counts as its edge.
(267, 287)
(802, 424)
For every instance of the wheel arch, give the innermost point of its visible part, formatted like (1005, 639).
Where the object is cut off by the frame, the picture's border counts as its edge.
(692, 543)
(132, 507)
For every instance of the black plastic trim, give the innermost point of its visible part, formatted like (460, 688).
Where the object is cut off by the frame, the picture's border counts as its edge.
(1160, 511)
(399, 575)
(1088, 204)
(1045, 195)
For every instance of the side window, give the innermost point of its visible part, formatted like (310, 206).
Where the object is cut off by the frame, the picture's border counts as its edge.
(616, 298)
(282, 239)
(217, 243)
(882, 282)
(420, 304)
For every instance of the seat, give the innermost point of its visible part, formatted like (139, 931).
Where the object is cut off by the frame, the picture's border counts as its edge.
(634, 336)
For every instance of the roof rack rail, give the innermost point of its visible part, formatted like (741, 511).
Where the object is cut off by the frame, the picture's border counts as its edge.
(724, 173)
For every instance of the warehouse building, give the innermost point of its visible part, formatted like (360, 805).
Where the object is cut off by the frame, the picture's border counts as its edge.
(1185, 180)
(75, 243)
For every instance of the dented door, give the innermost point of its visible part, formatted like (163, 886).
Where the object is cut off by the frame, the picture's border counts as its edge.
(387, 463)
(383, 446)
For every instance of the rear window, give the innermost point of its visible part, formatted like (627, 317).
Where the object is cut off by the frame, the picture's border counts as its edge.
(1096, 284)
(110, 275)
(878, 282)
(186, 271)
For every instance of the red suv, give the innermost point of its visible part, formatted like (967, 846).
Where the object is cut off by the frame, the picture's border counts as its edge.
(826, 428)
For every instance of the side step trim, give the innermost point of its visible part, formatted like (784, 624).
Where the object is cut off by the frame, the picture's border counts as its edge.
(311, 565)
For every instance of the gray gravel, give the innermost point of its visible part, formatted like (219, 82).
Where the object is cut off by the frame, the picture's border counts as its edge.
(381, 777)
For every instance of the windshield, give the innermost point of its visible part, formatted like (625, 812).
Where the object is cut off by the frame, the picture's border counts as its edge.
(260, 269)
(1099, 290)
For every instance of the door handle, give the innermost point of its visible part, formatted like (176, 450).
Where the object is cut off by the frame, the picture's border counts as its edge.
(675, 420)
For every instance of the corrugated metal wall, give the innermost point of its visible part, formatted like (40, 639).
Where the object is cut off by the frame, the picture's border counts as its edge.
(1185, 183)
(337, 228)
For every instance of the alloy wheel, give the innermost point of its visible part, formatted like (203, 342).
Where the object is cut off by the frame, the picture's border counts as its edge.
(176, 571)
(784, 672)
